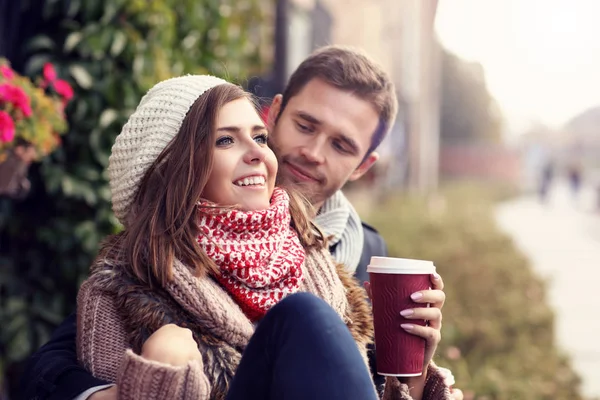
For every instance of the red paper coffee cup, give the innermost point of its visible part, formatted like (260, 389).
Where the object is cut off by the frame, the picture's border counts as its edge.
(393, 280)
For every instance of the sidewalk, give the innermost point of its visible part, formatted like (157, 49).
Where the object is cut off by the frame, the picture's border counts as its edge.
(562, 240)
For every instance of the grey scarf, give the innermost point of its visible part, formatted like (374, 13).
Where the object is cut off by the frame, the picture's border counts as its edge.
(340, 221)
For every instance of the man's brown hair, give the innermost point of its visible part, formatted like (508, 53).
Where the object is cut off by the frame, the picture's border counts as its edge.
(350, 70)
(162, 222)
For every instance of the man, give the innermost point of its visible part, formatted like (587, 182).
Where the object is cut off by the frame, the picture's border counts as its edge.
(335, 111)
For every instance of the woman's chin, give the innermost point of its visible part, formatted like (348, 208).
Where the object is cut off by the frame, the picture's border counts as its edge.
(255, 205)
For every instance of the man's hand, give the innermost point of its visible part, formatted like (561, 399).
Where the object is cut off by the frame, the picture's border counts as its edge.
(105, 394)
(172, 345)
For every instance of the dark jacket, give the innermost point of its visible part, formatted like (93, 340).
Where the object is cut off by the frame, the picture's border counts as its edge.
(54, 373)
(373, 246)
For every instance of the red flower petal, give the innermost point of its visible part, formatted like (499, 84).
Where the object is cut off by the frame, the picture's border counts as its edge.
(64, 89)
(7, 127)
(6, 72)
(49, 72)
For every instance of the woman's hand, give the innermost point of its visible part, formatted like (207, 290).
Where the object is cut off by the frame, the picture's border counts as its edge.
(105, 394)
(435, 298)
(431, 333)
(172, 345)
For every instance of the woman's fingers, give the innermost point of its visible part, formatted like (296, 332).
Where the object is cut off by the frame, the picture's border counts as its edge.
(430, 334)
(433, 315)
(436, 281)
(434, 297)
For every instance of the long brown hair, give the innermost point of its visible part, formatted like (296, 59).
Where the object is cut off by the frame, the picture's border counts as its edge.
(161, 225)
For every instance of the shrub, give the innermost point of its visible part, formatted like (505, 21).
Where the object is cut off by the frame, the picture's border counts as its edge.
(111, 52)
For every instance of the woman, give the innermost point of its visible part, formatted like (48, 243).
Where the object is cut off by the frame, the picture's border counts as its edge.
(216, 262)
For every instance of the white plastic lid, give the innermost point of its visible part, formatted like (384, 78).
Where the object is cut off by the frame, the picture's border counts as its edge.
(390, 265)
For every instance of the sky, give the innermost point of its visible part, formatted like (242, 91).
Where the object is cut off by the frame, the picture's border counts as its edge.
(541, 57)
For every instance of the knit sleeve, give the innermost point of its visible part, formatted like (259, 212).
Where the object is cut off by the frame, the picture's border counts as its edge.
(101, 335)
(103, 350)
(142, 379)
(435, 388)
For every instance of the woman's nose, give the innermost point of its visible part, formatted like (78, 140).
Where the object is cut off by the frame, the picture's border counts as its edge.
(255, 154)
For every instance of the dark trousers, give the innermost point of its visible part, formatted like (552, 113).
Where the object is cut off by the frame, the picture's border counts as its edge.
(302, 350)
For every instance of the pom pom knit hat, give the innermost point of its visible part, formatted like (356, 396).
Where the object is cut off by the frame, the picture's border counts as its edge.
(152, 126)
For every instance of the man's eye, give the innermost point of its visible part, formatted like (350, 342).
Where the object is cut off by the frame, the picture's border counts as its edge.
(262, 138)
(303, 128)
(224, 141)
(340, 147)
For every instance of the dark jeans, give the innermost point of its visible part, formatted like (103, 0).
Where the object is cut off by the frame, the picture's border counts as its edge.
(302, 350)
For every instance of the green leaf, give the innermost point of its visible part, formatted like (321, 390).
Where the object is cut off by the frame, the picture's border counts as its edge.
(107, 117)
(72, 41)
(40, 43)
(118, 44)
(81, 76)
(35, 64)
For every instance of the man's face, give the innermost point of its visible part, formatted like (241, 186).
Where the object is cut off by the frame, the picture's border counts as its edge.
(321, 139)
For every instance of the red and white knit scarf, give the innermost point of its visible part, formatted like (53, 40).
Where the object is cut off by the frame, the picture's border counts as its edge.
(258, 253)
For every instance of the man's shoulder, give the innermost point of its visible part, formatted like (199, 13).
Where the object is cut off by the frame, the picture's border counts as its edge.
(371, 234)
(369, 228)
(373, 246)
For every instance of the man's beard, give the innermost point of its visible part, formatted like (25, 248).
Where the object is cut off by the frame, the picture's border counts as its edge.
(310, 191)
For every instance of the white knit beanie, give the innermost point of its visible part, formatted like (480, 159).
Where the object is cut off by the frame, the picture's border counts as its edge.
(151, 127)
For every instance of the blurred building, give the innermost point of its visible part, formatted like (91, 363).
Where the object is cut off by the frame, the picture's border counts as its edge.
(399, 34)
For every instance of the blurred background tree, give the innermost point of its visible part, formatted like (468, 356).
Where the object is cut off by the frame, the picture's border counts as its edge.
(113, 51)
(468, 112)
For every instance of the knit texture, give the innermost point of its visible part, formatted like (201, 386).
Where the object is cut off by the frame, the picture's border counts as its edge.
(258, 254)
(132, 313)
(168, 383)
(341, 223)
(118, 313)
(149, 130)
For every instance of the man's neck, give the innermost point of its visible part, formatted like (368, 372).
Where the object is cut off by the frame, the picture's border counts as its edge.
(318, 206)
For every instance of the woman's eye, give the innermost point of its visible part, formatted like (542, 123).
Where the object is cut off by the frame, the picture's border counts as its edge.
(262, 138)
(224, 141)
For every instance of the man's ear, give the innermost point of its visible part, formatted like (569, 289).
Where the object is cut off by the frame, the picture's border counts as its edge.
(274, 112)
(364, 166)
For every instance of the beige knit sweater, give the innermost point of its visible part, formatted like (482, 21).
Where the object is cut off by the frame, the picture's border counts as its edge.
(115, 316)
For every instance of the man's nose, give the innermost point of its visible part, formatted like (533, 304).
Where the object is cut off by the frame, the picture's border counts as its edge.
(314, 150)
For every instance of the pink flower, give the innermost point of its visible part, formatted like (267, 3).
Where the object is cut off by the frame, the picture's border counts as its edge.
(7, 128)
(16, 95)
(6, 72)
(25, 108)
(49, 72)
(5, 91)
(64, 89)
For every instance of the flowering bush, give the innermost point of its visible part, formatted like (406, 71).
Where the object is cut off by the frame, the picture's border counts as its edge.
(32, 114)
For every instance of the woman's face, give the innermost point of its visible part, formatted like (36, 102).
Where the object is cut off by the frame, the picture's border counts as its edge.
(244, 167)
